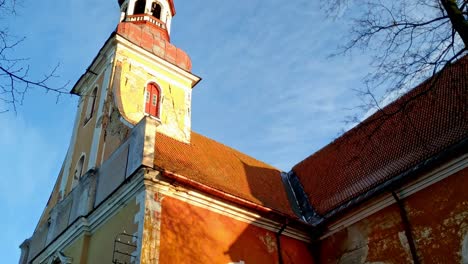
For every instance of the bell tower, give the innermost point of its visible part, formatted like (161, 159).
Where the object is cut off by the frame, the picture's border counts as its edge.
(138, 73)
(156, 12)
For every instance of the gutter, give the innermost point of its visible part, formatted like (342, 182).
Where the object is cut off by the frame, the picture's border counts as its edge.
(278, 242)
(407, 226)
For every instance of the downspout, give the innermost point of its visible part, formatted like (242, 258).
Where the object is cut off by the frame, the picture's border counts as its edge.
(407, 227)
(278, 242)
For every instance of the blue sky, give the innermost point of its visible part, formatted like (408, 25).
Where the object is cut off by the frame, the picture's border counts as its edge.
(268, 87)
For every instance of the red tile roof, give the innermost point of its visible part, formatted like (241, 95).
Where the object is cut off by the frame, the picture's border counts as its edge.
(217, 166)
(419, 125)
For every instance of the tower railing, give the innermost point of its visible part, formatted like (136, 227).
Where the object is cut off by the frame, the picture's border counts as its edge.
(146, 18)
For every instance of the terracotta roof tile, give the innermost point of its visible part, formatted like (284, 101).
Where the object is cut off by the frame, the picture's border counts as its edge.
(433, 117)
(215, 165)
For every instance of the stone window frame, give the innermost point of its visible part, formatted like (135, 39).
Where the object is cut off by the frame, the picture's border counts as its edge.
(76, 179)
(91, 106)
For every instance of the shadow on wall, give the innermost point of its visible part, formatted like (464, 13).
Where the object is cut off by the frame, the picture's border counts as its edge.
(191, 234)
(258, 245)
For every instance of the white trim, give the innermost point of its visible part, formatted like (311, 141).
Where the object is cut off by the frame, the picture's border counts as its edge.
(76, 181)
(158, 118)
(61, 257)
(125, 122)
(98, 128)
(71, 151)
(406, 191)
(144, 181)
(106, 53)
(131, 7)
(139, 220)
(90, 113)
(215, 205)
(97, 218)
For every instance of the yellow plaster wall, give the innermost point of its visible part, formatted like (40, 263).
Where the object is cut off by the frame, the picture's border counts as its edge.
(84, 136)
(78, 250)
(133, 73)
(102, 240)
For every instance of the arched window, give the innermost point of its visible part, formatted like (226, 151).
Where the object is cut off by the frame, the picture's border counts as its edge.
(78, 171)
(153, 97)
(156, 10)
(140, 6)
(91, 105)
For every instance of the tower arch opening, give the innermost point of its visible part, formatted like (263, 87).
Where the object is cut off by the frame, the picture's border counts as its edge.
(139, 8)
(78, 171)
(156, 10)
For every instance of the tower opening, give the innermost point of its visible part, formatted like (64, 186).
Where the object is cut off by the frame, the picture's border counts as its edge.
(156, 10)
(139, 7)
(152, 100)
(78, 171)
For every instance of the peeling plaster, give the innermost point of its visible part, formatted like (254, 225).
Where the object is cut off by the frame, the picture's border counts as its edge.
(426, 233)
(356, 247)
(139, 221)
(357, 256)
(269, 242)
(404, 242)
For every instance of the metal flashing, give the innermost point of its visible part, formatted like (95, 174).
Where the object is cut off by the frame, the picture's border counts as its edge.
(300, 200)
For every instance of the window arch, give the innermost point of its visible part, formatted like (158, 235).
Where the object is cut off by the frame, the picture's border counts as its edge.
(140, 6)
(78, 173)
(152, 99)
(156, 10)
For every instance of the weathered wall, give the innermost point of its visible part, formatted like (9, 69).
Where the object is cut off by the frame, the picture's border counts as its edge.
(101, 246)
(85, 133)
(133, 73)
(438, 217)
(78, 250)
(190, 234)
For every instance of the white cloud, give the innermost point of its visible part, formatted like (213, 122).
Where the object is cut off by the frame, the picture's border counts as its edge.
(268, 88)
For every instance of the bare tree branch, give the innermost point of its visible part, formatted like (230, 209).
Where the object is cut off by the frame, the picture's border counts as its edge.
(409, 40)
(15, 80)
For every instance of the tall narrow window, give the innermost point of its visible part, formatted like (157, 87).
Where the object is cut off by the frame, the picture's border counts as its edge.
(91, 105)
(78, 171)
(139, 7)
(156, 10)
(152, 100)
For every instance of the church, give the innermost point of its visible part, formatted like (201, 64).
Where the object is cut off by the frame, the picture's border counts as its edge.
(139, 186)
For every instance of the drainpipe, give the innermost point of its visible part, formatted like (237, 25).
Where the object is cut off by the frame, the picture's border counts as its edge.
(278, 242)
(407, 226)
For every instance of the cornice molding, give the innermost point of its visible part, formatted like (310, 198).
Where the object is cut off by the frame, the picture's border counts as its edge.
(155, 182)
